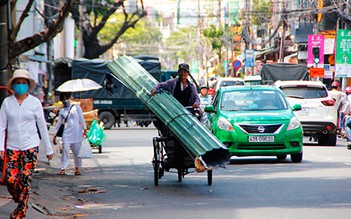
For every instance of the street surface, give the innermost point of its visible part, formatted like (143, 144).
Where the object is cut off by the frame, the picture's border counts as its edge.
(118, 183)
(251, 187)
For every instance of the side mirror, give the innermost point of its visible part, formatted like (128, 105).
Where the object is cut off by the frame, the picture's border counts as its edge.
(296, 107)
(209, 109)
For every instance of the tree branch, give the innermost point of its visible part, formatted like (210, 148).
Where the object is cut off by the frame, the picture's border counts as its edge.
(47, 34)
(97, 28)
(23, 16)
(127, 24)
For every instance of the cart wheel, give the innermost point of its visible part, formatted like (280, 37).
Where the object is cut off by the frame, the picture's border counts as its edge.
(209, 177)
(100, 149)
(156, 161)
(180, 175)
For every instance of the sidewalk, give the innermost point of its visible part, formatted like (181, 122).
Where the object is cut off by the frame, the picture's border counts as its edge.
(47, 192)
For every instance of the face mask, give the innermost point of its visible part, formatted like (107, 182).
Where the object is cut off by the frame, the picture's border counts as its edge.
(20, 88)
(66, 103)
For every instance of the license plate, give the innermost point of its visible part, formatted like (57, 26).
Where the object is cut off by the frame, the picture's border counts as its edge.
(261, 138)
(303, 112)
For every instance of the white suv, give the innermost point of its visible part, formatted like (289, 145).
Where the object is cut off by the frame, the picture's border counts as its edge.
(318, 114)
(229, 81)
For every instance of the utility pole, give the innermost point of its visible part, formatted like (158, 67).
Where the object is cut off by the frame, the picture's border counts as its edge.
(48, 18)
(282, 38)
(80, 39)
(315, 21)
(178, 12)
(4, 46)
(200, 47)
(248, 45)
(219, 13)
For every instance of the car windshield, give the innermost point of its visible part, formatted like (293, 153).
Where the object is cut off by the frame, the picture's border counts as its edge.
(252, 100)
(305, 92)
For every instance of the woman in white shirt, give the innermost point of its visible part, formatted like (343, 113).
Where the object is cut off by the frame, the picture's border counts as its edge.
(21, 117)
(74, 131)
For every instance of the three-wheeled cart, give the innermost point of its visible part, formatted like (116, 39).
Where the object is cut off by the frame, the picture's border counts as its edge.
(169, 153)
(201, 150)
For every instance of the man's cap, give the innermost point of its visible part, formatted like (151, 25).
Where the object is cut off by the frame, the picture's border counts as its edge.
(184, 66)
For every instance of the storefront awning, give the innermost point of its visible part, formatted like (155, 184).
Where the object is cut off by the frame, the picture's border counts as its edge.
(263, 52)
(38, 59)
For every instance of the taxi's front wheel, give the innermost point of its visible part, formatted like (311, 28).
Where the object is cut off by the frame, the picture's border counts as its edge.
(296, 158)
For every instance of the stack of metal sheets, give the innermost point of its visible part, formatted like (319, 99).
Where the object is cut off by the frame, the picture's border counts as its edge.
(196, 138)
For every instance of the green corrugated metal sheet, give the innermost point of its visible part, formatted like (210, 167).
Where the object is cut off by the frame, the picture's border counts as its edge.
(198, 140)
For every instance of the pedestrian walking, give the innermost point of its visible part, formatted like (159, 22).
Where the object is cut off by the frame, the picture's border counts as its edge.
(337, 95)
(22, 119)
(71, 116)
(343, 111)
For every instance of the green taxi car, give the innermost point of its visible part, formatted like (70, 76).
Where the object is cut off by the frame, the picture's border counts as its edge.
(255, 121)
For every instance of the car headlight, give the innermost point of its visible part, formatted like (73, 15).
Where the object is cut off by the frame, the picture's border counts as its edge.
(294, 123)
(224, 124)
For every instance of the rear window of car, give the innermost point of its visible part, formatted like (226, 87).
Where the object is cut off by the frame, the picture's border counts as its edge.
(305, 92)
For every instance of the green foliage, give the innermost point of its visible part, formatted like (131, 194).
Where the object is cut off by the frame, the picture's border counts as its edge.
(98, 8)
(142, 33)
(262, 12)
(213, 32)
(216, 44)
(182, 44)
(218, 69)
(214, 36)
(182, 37)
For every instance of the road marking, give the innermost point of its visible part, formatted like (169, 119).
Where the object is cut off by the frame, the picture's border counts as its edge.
(313, 155)
(329, 158)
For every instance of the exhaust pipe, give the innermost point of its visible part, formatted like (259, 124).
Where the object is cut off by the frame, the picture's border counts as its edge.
(325, 132)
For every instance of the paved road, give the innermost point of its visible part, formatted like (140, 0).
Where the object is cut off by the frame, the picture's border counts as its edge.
(119, 184)
(255, 187)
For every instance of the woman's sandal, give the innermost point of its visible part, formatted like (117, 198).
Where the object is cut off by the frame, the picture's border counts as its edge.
(62, 172)
(77, 172)
(14, 214)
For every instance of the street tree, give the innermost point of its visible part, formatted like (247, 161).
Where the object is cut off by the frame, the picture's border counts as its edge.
(142, 39)
(95, 17)
(182, 44)
(262, 12)
(215, 36)
(53, 26)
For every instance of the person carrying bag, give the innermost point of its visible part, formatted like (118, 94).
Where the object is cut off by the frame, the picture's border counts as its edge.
(59, 133)
(72, 136)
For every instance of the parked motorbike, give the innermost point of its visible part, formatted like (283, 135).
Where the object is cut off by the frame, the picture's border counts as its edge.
(50, 114)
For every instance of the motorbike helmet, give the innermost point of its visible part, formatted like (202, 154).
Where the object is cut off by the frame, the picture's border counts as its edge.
(348, 90)
(335, 84)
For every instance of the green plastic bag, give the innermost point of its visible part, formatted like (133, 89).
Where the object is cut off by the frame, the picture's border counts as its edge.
(96, 134)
